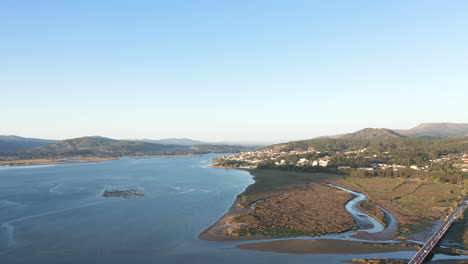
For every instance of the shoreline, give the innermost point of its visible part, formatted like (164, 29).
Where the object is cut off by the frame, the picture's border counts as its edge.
(45, 162)
(225, 167)
(164, 156)
(401, 225)
(341, 246)
(297, 245)
(327, 246)
(219, 230)
(81, 160)
(379, 242)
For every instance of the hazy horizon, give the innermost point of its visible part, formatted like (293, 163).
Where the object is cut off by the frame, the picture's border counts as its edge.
(236, 71)
(247, 141)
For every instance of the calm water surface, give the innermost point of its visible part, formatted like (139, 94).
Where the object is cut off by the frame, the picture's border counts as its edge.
(55, 214)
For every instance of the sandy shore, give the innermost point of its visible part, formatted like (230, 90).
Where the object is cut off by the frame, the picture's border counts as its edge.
(278, 212)
(225, 167)
(324, 246)
(75, 160)
(217, 231)
(39, 162)
(297, 193)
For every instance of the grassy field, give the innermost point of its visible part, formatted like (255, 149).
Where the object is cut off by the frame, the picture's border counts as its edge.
(286, 203)
(410, 200)
(269, 182)
(374, 211)
(314, 209)
(291, 204)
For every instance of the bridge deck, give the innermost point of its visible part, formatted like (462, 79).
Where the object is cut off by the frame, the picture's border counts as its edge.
(422, 254)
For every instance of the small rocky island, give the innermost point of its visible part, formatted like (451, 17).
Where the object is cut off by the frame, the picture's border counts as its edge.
(123, 193)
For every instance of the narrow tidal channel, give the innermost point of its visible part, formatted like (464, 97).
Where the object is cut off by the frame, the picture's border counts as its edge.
(363, 220)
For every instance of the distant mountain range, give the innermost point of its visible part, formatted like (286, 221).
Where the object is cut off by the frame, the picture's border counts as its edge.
(427, 130)
(436, 137)
(15, 143)
(191, 142)
(249, 143)
(372, 134)
(436, 130)
(102, 146)
(173, 141)
(97, 145)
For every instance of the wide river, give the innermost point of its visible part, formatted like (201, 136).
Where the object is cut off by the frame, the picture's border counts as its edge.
(56, 214)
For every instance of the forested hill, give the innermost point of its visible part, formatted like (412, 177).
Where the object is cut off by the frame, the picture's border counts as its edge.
(15, 143)
(101, 146)
(425, 146)
(174, 141)
(404, 151)
(372, 134)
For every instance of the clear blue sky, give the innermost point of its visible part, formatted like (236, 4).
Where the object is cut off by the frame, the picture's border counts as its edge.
(229, 70)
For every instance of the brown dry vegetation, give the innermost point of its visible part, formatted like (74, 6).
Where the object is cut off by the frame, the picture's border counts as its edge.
(374, 211)
(269, 183)
(314, 209)
(465, 237)
(410, 200)
(379, 261)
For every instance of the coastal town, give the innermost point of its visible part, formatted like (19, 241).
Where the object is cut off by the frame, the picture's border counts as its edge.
(278, 157)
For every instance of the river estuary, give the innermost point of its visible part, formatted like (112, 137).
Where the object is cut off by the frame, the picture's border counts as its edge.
(56, 214)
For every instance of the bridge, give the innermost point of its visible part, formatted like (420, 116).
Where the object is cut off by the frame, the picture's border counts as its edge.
(438, 234)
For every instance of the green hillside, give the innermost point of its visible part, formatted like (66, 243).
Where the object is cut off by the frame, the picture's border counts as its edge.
(372, 134)
(397, 146)
(101, 146)
(15, 143)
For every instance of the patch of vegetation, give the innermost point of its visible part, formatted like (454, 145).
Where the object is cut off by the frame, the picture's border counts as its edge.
(411, 201)
(269, 182)
(420, 152)
(107, 147)
(291, 204)
(374, 211)
(380, 261)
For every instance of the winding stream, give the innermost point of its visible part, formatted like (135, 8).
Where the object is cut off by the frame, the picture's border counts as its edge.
(362, 219)
(365, 223)
(369, 229)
